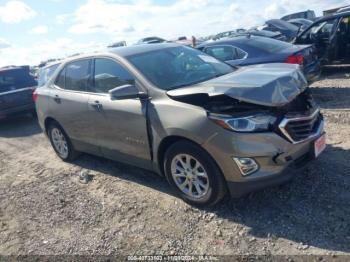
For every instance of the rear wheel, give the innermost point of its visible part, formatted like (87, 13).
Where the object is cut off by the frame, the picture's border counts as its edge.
(194, 174)
(61, 143)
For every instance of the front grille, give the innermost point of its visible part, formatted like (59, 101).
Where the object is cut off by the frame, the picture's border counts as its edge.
(302, 127)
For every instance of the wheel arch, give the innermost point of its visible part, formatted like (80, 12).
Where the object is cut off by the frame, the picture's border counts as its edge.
(48, 121)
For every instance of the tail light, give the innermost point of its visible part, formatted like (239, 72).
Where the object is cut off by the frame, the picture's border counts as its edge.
(295, 59)
(35, 95)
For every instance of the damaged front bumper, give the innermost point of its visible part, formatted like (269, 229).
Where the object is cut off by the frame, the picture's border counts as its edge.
(278, 158)
(292, 167)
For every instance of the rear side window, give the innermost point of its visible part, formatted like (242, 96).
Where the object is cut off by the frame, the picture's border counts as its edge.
(226, 53)
(61, 79)
(240, 53)
(109, 75)
(75, 76)
(45, 74)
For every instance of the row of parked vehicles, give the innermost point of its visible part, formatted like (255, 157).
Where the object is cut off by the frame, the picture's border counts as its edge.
(329, 36)
(192, 115)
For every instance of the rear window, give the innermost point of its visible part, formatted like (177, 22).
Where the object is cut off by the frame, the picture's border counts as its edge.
(268, 45)
(15, 79)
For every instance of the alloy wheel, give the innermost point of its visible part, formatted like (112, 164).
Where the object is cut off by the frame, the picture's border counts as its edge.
(60, 143)
(190, 176)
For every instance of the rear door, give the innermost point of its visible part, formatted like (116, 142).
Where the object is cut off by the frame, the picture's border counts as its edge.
(69, 104)
(120, 125)
(16, 88)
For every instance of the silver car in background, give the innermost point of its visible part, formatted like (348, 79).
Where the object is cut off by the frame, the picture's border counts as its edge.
(208, 127)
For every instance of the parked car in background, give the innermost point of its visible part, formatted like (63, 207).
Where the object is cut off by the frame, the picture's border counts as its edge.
(151, 40)
(16, 90)
(183, 40)
(265, 33)
(289, 30)
(301, 23)
(336, 10)
(331, 37)
(308, 14)
(344, 9)
(175, 110)
(117, 44)
(225, 34)
(243, 51)
(243, 32)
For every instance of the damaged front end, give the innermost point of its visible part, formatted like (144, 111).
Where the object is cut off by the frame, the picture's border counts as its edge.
(282, 105)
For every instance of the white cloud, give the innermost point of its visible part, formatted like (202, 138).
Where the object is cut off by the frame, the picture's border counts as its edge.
(121, 20)
(4, 43)
(45, 49)
(39, 30)
(184, 17)
(132, 20)
(15, 11)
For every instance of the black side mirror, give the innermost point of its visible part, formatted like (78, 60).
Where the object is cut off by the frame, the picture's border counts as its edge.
(126, 92)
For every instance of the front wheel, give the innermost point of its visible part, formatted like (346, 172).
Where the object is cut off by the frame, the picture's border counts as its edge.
(61, 143)
(193, 174)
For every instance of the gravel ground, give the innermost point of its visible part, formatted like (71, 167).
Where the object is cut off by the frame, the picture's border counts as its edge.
(46, 210)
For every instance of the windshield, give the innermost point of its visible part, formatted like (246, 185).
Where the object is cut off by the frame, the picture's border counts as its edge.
(174, 67)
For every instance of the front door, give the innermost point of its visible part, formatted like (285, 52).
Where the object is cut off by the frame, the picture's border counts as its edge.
(323, 36)
(120, 126)
(342, 48)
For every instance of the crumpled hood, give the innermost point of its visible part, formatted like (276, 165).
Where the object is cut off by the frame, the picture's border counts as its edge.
(266, 84)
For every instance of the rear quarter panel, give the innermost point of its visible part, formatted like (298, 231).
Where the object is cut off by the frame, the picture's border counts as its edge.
(42, 105)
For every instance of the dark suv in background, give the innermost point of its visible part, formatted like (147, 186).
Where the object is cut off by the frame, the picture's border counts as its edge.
(16, 90)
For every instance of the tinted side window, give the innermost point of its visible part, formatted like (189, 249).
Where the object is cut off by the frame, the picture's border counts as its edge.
(109, 74)
(61, 79)
(223, 53)
(77, 75)
(240, 54)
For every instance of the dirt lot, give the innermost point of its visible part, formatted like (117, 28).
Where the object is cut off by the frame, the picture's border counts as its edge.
(45, 209)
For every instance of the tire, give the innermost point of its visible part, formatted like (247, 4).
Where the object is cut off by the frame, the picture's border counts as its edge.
(58, 137)
(200, 185)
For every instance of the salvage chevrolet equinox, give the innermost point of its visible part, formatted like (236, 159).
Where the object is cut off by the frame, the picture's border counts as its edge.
(208, 127)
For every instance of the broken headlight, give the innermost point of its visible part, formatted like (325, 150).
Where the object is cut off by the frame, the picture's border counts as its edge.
(253, 123)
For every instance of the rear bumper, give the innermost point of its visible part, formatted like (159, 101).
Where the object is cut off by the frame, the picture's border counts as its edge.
(313, 72)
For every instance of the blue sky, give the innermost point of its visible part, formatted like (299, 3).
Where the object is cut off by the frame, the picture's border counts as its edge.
(35, 30)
